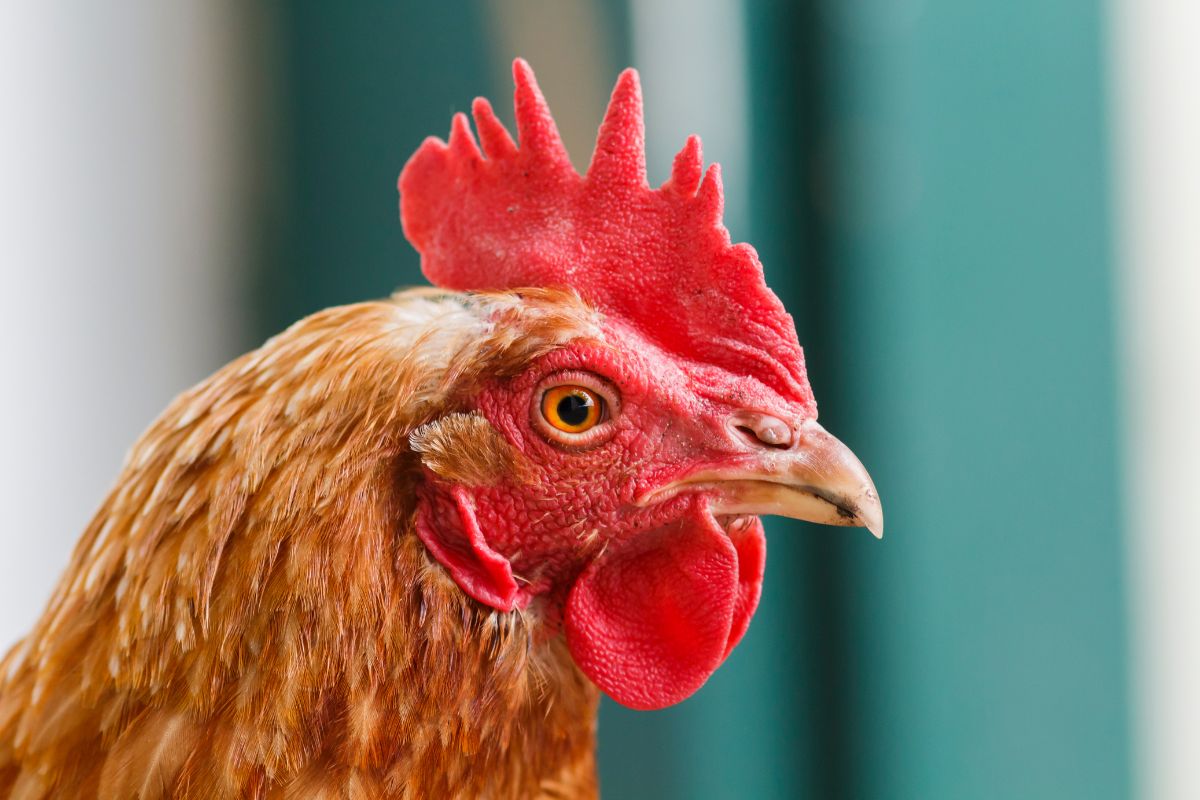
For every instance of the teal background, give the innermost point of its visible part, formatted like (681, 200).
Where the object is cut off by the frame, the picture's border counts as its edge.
(930, 198)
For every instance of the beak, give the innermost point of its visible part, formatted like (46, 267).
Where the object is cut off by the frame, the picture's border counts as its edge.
(817, 479)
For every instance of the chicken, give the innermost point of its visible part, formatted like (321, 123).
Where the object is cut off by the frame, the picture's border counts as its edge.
(398, 550)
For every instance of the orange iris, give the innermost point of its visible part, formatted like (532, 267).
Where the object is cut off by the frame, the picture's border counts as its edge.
(572, 409)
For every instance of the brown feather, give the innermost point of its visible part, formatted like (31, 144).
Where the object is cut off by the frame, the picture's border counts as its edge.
(250, 614)
(466, 449)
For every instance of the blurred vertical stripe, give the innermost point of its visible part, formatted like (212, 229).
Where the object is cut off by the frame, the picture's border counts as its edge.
(972, 358)
(360, 86)
(1156, 69)
(127, 150)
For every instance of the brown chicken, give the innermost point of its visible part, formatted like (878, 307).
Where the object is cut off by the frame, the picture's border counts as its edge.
(397, 551)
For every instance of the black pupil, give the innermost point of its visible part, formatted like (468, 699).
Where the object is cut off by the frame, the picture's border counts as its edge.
(573, 409)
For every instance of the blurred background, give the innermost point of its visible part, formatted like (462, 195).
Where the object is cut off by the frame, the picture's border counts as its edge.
(983, 216)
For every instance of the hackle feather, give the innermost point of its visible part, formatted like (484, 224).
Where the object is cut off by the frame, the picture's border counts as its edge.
(250, 615)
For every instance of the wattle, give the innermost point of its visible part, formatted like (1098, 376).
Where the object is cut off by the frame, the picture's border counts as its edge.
(650, 620)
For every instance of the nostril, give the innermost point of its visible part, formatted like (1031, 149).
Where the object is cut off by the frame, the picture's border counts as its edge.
(774, 437)
(762, 429)
(748, 434)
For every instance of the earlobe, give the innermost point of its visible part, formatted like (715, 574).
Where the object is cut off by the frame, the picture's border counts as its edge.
(447, 524)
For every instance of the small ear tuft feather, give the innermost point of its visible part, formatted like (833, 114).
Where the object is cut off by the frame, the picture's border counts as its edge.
(465, 449)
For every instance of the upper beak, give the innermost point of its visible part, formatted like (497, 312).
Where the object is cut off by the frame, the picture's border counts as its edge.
(817, 479)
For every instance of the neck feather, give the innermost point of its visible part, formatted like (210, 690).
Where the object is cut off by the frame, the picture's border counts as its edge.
(250, 609)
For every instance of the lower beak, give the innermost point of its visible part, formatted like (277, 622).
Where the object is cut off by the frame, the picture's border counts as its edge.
(818, 479)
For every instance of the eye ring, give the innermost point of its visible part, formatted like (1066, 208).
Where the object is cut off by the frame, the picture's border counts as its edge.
(575, 408)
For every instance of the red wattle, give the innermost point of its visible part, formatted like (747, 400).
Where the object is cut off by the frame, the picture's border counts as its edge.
(751, 546)
(654, 617)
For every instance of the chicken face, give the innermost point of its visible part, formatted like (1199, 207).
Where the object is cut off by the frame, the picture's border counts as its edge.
(630, 465)
(631, 518)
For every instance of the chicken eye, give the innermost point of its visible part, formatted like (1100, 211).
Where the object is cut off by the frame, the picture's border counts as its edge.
(572, 409)
(575, 409)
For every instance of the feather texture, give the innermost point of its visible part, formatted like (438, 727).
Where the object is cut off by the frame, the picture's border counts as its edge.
(249, 614)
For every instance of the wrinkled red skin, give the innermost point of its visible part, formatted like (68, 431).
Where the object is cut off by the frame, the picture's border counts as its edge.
(652, 599)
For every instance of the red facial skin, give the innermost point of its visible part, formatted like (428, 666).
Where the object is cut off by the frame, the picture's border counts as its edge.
(651, 598)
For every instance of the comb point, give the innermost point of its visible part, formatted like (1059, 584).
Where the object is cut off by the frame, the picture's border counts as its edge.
(462, 142)
(710, 197)
(687, 168)
(496, 141)
(537, 135)
(620, 154)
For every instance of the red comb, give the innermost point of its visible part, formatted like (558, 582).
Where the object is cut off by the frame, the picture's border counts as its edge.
(660, 259)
